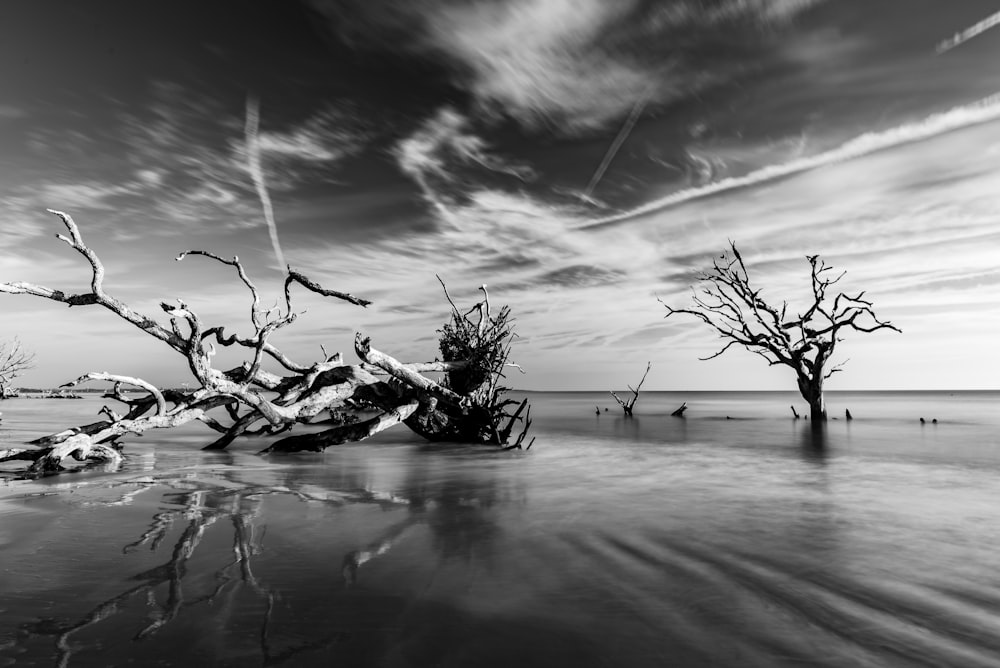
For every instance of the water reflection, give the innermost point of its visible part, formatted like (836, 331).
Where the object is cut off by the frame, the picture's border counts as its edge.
(813, 441)
(628, 427)
(354, 559)
(196, 510)
(223, 589)
(756, 542)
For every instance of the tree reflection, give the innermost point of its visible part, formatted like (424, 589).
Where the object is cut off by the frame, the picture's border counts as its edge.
(354, 559)
(454, 509)
(627, 428)
(813, 440)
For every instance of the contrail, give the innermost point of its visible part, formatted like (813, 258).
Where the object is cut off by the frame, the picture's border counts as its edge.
(630, 122)
(253, 163)
(964, 36)
(982, 111)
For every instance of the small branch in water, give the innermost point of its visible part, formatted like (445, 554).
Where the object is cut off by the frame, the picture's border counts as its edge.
(628, 405)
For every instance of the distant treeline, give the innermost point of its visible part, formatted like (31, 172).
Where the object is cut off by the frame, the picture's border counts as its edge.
(38, 390)
(77, 390)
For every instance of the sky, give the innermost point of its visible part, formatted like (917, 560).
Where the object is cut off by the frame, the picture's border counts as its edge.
(582, 158)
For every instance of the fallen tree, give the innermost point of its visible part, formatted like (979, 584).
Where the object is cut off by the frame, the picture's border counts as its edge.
(353, 402)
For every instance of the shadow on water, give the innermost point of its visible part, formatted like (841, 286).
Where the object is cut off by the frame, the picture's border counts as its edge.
(212, 529)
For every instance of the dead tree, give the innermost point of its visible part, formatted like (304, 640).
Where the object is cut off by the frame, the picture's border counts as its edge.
(250, 400)
(14, 360)
(805, 341)
(627, 405)
(477, 350)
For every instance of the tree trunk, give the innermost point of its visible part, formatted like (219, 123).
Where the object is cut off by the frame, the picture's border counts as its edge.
(817, 406)
(812, 391)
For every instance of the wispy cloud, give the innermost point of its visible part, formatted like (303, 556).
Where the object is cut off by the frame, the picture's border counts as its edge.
(177, 164)
(439, 154)
(86, 195)
(321, 138)
(567, 65)
(10, 112)
(982, 111)
(540, 60)
(920, 246)
(975, 30)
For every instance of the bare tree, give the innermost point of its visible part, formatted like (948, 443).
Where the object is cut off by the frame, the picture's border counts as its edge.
(628, 405)
(14, 360)
(805, 342)
(360, 400)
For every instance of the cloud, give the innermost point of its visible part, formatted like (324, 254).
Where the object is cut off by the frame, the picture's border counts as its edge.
(178, 163)
(19, 214)
(541, 60)
(959, 38)
(569, 65)
(981, 111)
(443, 151)
(21, 267)
(88, 195)
(523, 248)
(10, 112)
(327, 135)
(922, 247)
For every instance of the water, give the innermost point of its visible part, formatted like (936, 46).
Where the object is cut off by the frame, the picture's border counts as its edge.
(651, 541)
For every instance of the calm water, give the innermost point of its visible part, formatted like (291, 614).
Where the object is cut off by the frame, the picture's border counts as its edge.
(652, 541)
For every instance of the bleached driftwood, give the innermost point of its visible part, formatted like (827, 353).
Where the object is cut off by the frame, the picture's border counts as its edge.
(366, 398)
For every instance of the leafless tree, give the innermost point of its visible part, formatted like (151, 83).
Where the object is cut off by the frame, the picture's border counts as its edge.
(628, 405)
(360, 400)
(14, 360)
(805, 341)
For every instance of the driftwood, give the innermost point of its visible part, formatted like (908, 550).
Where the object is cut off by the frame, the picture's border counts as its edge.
(680, 411)
(628, 405)
(795, 412)
(804, 342)
(468, 405)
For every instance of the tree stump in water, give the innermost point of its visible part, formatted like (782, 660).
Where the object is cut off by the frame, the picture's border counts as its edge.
(628, 405)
